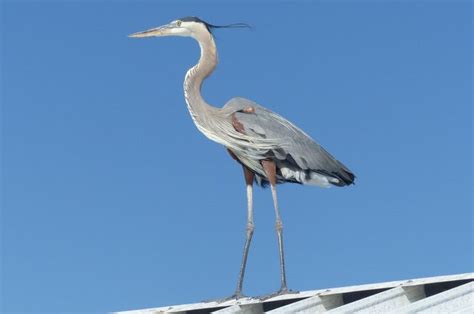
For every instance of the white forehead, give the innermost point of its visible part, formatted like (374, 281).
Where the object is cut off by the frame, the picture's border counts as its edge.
(190, 24)
(189, 28)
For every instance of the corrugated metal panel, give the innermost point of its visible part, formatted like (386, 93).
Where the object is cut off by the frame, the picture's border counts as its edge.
(443, 294)
(243, 309)
(384, 302)
(457, 299)
(311, 305)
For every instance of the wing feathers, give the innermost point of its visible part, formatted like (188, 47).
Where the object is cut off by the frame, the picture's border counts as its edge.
(300, 158)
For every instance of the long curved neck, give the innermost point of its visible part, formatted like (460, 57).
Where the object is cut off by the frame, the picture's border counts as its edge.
(195, 76)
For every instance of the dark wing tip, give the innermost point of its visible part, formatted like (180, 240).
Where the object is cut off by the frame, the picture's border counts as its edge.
(345, 177)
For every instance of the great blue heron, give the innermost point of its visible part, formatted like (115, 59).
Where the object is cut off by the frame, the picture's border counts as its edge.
(270, 149)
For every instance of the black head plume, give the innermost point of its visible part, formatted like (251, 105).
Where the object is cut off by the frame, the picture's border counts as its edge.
(210, 27)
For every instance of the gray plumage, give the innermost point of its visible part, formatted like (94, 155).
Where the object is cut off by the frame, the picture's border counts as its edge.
(270, 148)
(298, 157)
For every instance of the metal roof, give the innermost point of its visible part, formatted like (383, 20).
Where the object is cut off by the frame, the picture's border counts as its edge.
(442, 294)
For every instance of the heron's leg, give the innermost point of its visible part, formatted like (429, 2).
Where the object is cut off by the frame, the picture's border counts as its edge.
(270, 170)
(249, 176)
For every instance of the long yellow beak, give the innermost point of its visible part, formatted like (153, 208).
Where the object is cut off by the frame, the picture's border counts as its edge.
(153, 32)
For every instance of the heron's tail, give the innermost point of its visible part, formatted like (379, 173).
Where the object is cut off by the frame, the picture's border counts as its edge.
(342, 177)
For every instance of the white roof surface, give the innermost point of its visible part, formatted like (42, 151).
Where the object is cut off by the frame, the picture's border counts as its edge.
(443, 294)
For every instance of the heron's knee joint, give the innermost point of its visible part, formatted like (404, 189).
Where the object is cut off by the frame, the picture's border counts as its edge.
(279, 225)
(250, 227)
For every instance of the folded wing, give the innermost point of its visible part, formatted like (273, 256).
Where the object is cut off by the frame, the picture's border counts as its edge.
(298, 157)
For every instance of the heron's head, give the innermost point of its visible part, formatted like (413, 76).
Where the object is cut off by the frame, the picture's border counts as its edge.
(187, 26)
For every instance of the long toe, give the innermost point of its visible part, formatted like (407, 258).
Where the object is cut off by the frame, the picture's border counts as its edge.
(282, 291)
(236, 296)
(285, 290)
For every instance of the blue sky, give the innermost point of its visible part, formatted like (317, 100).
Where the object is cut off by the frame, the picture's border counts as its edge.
(112, 200)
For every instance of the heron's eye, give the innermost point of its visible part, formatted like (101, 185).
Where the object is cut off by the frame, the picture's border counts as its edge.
(178, 23)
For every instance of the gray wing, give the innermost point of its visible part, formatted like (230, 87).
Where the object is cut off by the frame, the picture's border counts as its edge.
(292, 149)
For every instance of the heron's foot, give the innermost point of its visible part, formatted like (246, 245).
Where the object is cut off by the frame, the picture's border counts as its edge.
(282, 291)
(236, 296)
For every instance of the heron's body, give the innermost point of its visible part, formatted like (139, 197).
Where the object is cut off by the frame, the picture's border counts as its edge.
(270, 148)
(264, 134)
(298, 158)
